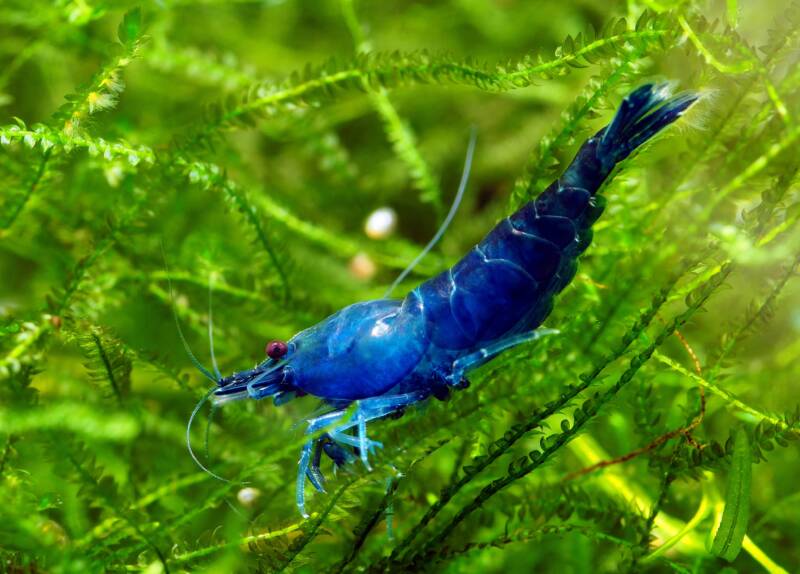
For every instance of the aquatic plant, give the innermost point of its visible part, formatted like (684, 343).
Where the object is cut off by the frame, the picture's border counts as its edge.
(235, 150)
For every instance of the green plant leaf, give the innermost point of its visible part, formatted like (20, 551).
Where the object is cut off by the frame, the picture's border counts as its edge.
(130, 28)
(728, 539)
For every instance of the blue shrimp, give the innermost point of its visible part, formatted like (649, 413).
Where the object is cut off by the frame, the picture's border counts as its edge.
(385, 355)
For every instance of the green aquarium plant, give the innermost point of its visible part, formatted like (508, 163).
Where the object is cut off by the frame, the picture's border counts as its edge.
(177, 171)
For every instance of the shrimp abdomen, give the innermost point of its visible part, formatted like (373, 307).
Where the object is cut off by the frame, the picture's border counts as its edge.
(507, 282)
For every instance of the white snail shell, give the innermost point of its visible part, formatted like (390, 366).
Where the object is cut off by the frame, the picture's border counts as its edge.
(381, 223)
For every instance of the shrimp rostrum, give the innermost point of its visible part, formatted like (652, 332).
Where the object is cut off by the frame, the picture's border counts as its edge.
(376, 358)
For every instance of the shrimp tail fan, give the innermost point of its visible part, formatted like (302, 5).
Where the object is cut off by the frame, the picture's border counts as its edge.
(643, 114)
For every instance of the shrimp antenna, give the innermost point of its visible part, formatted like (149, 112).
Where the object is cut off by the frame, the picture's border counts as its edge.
(211, 329)
(208, 430)
(189, 437)
(462, 186)
(188, 350)
(186, 347)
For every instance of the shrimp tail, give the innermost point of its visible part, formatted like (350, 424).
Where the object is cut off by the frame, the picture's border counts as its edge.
(641, 116)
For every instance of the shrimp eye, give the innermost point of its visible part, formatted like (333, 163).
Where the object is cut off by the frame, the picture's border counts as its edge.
(276, 349)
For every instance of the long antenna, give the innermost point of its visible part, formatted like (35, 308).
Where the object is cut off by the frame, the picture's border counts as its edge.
(211, 329)
(462, 186)
(189, 436)
(186, 347)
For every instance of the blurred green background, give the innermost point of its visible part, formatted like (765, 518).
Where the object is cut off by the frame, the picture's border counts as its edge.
(238, 148)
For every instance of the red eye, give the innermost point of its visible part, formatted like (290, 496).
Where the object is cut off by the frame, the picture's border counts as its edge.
(276, 349)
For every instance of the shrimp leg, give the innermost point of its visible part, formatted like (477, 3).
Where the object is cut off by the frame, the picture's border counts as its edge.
(484, 354)
(324, 444)
(314, 473)
(308, 465)
(368, 410)
(300, 492)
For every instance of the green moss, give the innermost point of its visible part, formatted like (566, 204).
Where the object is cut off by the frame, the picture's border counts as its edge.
(245, 144)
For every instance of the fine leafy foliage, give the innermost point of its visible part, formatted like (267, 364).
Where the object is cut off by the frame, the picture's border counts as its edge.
(218, 160)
